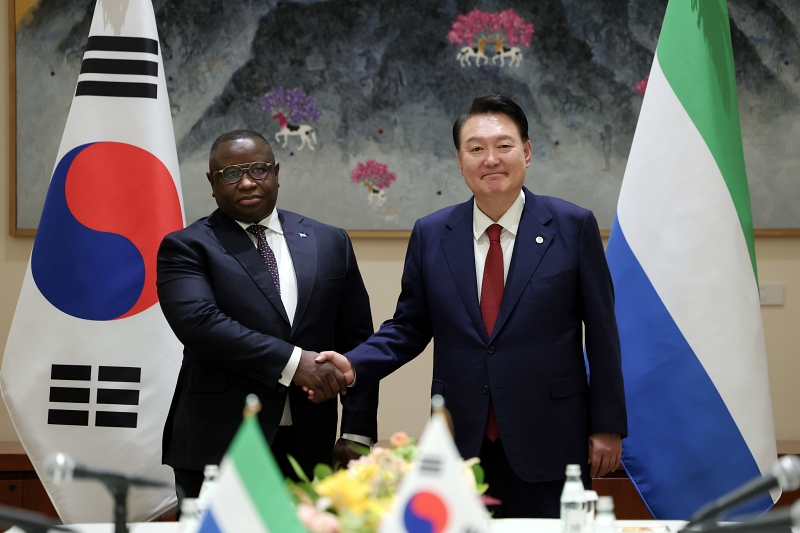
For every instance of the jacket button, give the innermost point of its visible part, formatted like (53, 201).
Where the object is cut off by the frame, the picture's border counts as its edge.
(486, 389)
(490, 349)
(281, 389)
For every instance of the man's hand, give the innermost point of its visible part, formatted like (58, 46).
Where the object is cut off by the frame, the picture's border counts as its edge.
(341, 362)
(605, 453)
(321, 380)
(345, 451)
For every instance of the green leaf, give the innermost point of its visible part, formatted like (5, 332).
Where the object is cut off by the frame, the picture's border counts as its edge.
(297, 469)
(358, 447)
(321, 471)
(479, 475)
(481, 488)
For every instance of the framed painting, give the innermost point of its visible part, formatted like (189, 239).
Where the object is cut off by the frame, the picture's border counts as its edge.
(358, 98)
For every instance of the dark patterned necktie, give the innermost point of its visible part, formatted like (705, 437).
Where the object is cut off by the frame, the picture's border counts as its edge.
(266, 253)
(492, 288)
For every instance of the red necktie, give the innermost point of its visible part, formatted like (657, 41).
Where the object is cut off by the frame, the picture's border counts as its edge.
(491, 296)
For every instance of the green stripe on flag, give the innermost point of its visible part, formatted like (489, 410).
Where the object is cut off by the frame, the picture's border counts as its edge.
(695, 54)
(263, 479)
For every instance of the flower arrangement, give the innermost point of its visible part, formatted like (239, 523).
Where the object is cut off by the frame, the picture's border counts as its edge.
(354, 500)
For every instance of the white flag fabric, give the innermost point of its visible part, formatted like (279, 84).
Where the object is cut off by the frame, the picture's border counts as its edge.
(682, 257)
(435, 496)
(90, 365)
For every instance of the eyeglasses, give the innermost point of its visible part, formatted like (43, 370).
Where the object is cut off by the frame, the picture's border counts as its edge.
(257, 171)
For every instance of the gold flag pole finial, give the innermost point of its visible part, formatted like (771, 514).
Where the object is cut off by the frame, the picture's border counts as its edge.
(252, 405)
(438, 408)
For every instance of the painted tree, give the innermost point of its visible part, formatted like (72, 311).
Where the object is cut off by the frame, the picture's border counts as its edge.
(641, 87)
(484, 27)
(297, 107)
(373, 175)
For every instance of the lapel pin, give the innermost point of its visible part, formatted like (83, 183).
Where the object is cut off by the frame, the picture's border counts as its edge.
(539, 239)
(303, 235)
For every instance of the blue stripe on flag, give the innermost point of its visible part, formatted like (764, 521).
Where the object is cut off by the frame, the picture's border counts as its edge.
(683, 448)
(209, 524)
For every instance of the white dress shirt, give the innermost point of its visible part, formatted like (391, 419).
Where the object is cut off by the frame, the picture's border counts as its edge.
(288, 280)
(510, 222)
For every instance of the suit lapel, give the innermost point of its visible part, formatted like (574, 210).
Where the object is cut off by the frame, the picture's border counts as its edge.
(302, 245)
(528, 253)
(233, 238)
(459, 252)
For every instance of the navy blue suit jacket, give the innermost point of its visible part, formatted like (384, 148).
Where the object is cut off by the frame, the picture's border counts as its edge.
(222, 304)
(533, 363)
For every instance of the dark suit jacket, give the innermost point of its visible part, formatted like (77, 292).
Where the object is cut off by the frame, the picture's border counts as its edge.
(533, 364)
(222, 304)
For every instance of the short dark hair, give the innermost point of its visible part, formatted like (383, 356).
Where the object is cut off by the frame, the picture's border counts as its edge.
(492, 104)
(237, 135)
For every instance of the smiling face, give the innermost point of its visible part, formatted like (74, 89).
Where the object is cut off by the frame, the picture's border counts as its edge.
(248, 200)
(493, 159)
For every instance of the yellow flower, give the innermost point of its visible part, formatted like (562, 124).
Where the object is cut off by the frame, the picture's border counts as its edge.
(345, 491)
(399, 439)
(366, 474)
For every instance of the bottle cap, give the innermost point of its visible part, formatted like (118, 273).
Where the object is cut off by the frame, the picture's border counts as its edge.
(573, 470)
(211, 471)
(605, 504)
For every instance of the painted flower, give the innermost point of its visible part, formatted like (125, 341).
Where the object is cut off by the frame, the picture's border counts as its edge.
(374, 174)
(467, 28)
(641, 87)
(298, 107)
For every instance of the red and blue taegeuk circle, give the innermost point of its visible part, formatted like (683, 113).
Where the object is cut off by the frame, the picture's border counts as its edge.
(108, 207)
(425, 512)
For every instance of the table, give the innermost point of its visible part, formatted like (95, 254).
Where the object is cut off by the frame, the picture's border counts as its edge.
(508, 525)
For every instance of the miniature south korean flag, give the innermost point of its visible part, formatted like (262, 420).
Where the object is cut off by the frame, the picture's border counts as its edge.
(435, 496)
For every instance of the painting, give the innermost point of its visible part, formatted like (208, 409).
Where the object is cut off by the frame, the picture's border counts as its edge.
(358, 98)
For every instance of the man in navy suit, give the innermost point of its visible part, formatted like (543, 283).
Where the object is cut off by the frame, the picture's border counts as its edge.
(253, 293)
(507, 284)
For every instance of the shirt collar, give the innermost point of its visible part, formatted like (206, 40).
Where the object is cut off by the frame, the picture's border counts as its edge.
(509, 220)
(272, 222)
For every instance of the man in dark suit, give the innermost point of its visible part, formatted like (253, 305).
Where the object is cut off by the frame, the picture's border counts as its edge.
(253, 293)
(506, 284)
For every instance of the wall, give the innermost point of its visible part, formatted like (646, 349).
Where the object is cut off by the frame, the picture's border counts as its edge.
(405, 395)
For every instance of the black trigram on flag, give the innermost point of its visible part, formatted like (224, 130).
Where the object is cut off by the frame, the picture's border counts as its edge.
(110, 57)
(61, 393)
(431, 466)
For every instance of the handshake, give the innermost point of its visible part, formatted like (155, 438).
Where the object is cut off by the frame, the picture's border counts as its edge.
(324, 375)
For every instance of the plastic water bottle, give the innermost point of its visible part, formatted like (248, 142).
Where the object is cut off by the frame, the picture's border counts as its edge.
(190, 516)
(210, 475)
(573, 502)
(591, 505)
(605, 520)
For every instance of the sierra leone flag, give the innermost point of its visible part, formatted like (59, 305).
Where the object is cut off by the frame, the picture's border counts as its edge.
(682, 257)
(250, 493)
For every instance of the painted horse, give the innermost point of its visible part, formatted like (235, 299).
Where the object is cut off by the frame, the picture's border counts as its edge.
(514, 54)
(467, 53)
(303, 131)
